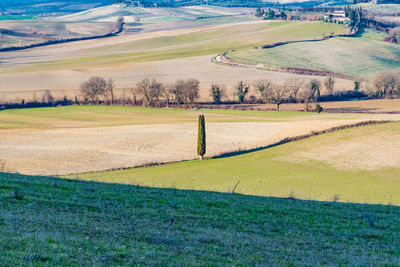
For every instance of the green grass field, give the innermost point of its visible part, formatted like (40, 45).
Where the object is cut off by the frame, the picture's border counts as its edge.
(334, 166)
(362, 56)
(200, 43)
(381, 9)
(56, 222)
(92, 116)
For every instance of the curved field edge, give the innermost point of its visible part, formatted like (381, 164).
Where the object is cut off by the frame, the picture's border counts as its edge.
(284, 171)
(174, 45)
(65, 222)
(358, 57)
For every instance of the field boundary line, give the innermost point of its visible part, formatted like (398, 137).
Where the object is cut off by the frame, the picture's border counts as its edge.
(71, 40)
(304, 136)
(223, 59)
(247, 151)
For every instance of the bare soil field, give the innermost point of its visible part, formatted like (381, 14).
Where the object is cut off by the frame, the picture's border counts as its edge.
(76, 146)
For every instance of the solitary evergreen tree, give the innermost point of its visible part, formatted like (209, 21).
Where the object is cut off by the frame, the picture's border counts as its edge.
(201, 140)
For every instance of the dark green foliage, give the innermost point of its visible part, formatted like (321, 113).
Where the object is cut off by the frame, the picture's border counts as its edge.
(270, 14)
(216, 93)
(283, 15)
(259, 12)
(356, 86)
(201, 138)
(318, 108)
(315, 86)
(355, 16)
(242, 89)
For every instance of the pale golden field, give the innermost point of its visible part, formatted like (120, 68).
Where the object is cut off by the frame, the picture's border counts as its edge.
(59, 141)
(167, 55)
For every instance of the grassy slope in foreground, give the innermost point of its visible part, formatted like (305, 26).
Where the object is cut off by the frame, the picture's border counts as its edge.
(355, 165)
(362, 56)
(62, 222)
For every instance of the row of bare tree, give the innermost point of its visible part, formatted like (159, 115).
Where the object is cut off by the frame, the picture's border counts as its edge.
(149, 92)
(387, 85)
(295, 90)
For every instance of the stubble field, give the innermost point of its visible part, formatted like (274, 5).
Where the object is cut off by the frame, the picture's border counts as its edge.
(65, 140)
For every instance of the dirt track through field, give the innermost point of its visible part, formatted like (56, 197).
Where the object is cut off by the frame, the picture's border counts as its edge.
(67, 151)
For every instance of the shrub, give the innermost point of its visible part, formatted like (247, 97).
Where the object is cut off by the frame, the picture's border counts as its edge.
(216, 93)
(318, 108)
(356, 86)
(242, 89)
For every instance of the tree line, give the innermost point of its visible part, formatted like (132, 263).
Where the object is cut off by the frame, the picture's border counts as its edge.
(151, 93)
(146, 92)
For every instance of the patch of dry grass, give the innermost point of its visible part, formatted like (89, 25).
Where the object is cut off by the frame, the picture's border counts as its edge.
(57, 141)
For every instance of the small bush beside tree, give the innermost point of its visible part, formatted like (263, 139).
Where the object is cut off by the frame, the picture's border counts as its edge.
(318, 108)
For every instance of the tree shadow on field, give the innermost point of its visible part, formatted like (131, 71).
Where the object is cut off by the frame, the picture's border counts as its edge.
(352, 110)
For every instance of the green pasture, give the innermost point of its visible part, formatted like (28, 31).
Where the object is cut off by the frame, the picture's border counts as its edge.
(277, 171)
(361, 57)
(381, 9)
(204, 42)
(93, 116)
(57, 222)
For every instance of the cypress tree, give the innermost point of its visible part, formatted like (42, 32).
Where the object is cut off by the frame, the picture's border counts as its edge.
(201, 139)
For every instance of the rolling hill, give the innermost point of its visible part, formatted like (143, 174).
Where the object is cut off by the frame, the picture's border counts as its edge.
(361, 57)
(183, 50)
(46, 6)
(353, 165)
(47, 221)
(77, 139)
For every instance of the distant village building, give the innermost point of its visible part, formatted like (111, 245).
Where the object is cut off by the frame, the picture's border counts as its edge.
(339, 15)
